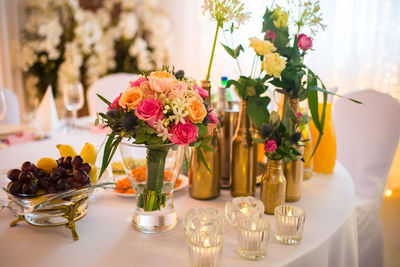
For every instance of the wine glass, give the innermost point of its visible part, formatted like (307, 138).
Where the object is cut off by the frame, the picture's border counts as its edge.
(73, 100)
(3, 104)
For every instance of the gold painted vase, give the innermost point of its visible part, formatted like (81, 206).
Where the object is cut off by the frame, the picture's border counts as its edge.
(244, 156)
(293, 171)
(273, 186)
(204, 184)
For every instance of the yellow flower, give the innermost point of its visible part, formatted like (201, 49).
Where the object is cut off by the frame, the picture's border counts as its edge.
(196, 110)
(280, 18)
(131, 97)
(262, 47)
(274, 64)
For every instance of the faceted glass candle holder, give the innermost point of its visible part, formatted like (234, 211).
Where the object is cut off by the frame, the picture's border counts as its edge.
(205, 249)
(242, 208)
(203, 219)
(289, 224)
(253, 236)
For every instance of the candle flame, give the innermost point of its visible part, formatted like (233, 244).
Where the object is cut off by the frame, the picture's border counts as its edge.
(207, 243)
(253, 226)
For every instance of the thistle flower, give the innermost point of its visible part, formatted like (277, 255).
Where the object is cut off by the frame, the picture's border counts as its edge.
(129, 123)
(265, 130)
(296, 137)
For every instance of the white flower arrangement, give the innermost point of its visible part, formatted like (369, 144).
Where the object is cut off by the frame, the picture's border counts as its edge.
(65, 42)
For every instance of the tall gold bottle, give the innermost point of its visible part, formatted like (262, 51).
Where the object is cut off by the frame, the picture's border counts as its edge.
(244, 156)
(293, 171)
(204, 184)
(273, 186)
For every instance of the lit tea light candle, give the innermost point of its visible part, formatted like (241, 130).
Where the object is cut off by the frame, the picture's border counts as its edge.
(253, 235)
(289, 224)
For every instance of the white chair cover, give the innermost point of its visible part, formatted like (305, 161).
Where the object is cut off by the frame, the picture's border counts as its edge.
(13, 111)
(109, 87)
(367, 137)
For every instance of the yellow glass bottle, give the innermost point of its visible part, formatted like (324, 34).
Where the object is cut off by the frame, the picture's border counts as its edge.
(244, 156)
(325, 156)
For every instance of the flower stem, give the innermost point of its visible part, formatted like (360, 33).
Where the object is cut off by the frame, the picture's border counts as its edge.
(212, 52)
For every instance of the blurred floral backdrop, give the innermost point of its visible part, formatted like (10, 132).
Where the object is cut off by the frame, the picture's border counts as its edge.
(69, 40)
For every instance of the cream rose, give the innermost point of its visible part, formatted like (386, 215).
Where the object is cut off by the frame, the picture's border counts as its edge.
(262, 47)
(131, 97)
(161, 81)
(273, 64)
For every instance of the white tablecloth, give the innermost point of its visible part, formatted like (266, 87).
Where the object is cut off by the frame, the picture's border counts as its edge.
(108, 239)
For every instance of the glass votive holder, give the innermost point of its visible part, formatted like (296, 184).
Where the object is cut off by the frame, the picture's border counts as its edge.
(289, 224)
(242, 208)
(253, 236)
(205, 249)
(203, 219)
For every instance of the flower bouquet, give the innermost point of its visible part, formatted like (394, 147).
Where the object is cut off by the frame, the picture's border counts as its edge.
(162, 112)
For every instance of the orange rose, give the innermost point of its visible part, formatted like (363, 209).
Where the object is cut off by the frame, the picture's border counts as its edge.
(196, 109)
(131, 97)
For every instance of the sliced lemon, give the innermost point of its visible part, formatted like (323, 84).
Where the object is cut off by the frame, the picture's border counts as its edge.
(89, 153)
(66, 151)
(47, 164)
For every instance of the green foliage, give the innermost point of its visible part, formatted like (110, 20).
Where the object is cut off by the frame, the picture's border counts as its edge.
(257, 109)
(233, 53)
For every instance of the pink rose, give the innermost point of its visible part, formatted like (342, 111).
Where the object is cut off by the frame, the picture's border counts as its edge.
(212, 118)
(150, 110)
(183, 133)
(202, 92)
(179, 90)
(145, 87)
(270, 35)
(137, 82)
(115, 103)
(305, 42)
(270, 145)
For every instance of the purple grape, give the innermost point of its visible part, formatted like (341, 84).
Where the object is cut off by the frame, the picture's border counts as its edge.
(60, 161)
(28, 166)
(14, 188)
(67, 163)
(38, 173)
(72, 182)
(87, 180)
(54, 176)
(25, 176)
(77, 162)
(60, 170)
(80, 176)
(44, 182)
(86, 167)
(69, 172)
(29, 188)
(13, 174)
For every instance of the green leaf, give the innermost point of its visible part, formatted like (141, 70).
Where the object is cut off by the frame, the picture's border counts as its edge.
(107, 153)
(233, 53)
(203, 159)
(257, 109)
(104, 100)
(202, 129)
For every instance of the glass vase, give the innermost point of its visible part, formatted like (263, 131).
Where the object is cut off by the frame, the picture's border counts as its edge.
(152, 171)
(273, 186)
(244, 156)
(325, 155)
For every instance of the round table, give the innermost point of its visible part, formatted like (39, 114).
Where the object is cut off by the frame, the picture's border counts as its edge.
(107, 237)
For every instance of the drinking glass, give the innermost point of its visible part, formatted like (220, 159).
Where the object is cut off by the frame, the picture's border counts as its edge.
(253, 236)
(289, 224)
(3, 104)
(73, 100)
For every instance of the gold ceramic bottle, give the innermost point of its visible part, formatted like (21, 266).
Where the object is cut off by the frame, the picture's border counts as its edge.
(293, 171)
(273, 186)
(204, 184)
(243, 157)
